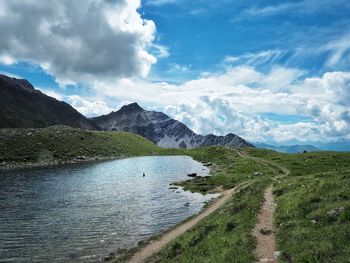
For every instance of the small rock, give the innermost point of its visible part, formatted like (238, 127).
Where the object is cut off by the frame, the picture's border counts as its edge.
(277, 254)
(82, 157)
(313, 221)
(187, 204)
(257, 173)
(192, 175)
(208, 164)
(335, 212)
(266, 231)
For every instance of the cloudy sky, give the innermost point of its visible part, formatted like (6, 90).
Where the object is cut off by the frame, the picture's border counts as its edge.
(268, 70)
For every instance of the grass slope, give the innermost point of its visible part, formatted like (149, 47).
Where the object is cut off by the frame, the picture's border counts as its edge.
(63, 144)
(313, 206)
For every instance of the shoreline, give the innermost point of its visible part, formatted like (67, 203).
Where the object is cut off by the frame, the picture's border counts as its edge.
(12, 166)
(125, 255)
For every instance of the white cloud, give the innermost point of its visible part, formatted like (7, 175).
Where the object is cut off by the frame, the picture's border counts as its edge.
(160, 2)
(295, 7)
(51, 93)
(254, 59)
(161, 51)
(78, 40)
(238, 99)
(6, 59)
(339, 51)
(88, 107)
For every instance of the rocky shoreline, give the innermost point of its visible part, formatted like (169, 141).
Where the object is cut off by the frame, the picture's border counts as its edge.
(6, 166)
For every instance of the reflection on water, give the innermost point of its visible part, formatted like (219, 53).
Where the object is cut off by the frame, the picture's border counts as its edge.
(82, 212)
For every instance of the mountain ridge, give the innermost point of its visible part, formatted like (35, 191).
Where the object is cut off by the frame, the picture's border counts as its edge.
(162, 129)
(23, 106)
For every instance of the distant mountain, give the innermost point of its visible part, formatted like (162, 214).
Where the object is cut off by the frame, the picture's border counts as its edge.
(22, 106)
(287, 149)
(162, 130)
(338, 146)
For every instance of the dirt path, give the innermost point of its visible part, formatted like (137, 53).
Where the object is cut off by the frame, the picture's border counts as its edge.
(268, 163)
(156, 245)
(265, 242)
(266, 246)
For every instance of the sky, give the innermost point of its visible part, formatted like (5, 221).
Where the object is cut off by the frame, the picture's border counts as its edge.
(273, 71)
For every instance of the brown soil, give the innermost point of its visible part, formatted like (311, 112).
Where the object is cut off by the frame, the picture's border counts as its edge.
(266, 245)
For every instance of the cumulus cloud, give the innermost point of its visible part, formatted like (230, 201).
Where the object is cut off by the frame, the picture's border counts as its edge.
(240, 99)
(89, 108)
(78, 40)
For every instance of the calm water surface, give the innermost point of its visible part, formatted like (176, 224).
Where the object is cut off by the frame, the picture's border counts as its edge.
(82, 212)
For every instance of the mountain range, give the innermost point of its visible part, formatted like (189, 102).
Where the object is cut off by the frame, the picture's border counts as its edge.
(287, 148)
(22, 106)
(163, 130)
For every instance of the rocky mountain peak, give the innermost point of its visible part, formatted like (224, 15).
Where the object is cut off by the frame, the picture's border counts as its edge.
(162, 130)
(133, 107)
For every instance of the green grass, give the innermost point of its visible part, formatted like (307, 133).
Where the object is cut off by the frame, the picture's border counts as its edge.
(319, 183)
(224, 236)
(228, 169)
(307, 231)
(62, 143)
(305, 163)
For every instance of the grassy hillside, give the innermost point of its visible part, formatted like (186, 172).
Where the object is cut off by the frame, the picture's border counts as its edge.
(63, 144)
(313, 208)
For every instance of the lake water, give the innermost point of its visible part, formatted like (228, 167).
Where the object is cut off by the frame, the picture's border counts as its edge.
(80, 213)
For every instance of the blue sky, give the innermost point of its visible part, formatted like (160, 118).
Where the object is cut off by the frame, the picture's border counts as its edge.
(266, 70)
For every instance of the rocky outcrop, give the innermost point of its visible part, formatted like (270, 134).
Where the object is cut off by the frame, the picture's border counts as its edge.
(22, 106)
(162, 130)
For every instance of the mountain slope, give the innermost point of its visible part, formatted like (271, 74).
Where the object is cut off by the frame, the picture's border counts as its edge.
(162, 130)
(22, 106)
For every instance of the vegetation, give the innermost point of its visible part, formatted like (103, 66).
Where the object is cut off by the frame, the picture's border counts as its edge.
(313, 201)
(313, 209)
(58, 144)
(313, 206)
(225, 236)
